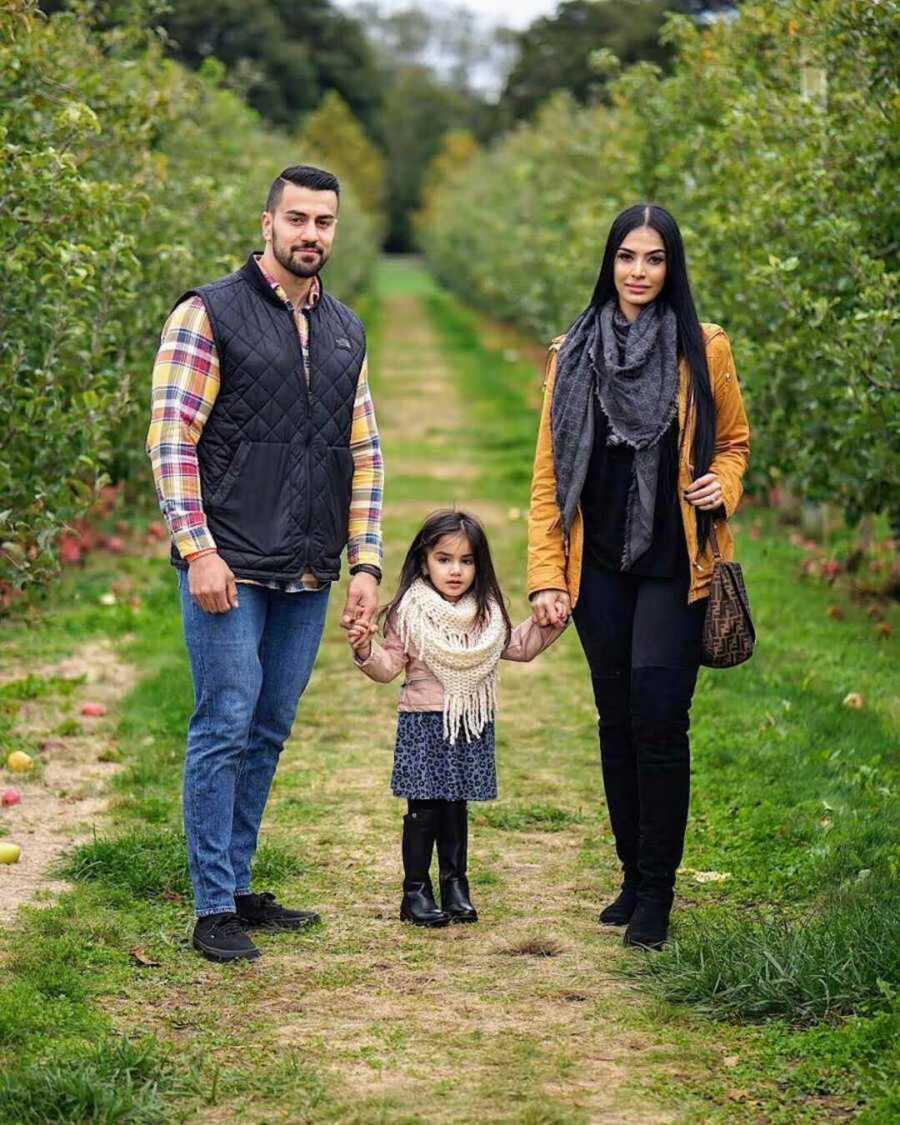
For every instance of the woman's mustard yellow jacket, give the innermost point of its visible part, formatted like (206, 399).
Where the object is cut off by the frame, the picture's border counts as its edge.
(554, 564)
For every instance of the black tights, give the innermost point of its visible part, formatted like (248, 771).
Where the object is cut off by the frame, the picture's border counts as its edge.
(642, 643)
(421, 806)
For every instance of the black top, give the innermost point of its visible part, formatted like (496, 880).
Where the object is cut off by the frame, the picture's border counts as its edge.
(604, 505)
(604, 497)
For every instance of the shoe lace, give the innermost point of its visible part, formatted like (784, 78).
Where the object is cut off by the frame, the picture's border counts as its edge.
(229, 924)
(267, 902)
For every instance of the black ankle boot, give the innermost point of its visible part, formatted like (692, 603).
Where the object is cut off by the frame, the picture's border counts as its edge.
(453, 858)
(649, 925)
(418, 905)
(620, 910)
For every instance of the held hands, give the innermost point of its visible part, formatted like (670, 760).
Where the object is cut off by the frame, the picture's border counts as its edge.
(359, 613)
(551, 607)
(705, 493)
(362, 600)
(360, 637)
(212, 585)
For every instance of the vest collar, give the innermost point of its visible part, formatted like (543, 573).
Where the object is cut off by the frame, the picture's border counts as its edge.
(251, 273)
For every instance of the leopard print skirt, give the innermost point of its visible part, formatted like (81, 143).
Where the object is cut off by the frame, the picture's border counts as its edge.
(428, 768)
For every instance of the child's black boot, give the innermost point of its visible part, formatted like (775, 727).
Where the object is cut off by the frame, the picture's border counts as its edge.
(453, 857)
(418, 906)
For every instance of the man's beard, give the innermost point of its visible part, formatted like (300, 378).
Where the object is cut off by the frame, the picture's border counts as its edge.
(291, 261)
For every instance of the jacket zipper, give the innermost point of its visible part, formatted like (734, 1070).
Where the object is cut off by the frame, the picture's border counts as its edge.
(306, 379)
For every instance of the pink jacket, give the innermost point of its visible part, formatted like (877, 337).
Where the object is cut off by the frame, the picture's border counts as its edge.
(422, 690)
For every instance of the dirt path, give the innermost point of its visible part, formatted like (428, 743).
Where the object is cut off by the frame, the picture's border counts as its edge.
(521, 1010)
(526, 1018)
(521, 1018)
(65, 796)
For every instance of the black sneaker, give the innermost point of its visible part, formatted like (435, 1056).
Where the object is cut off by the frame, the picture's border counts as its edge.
(263, 912)
(221, 937)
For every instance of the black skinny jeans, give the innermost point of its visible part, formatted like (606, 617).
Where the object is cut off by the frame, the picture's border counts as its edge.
(642, 643)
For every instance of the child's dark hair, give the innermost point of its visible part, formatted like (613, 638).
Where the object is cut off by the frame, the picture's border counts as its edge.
(485, 588)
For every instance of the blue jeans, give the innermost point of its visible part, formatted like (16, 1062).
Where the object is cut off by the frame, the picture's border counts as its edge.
(249, 666)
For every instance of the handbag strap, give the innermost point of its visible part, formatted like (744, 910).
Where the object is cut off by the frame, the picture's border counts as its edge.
(714, 543)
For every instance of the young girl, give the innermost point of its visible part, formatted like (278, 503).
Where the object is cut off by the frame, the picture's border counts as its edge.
(447, 628)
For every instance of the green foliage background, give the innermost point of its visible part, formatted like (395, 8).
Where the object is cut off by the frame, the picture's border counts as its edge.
(124, 179)
(770, 141)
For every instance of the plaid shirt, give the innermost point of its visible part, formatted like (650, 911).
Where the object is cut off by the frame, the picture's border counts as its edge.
(185, 386)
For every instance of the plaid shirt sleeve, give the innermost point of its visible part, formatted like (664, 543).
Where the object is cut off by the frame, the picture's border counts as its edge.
(364, 545)
(185, 386)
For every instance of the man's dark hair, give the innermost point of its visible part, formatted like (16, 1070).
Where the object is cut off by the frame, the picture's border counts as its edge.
(303, 175)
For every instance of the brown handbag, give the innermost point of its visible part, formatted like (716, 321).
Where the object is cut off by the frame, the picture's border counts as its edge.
(728, 633)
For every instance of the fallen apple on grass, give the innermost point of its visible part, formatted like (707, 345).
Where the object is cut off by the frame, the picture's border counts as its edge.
(10, 796)
(9, 853)
(19, 762)
(93, 710)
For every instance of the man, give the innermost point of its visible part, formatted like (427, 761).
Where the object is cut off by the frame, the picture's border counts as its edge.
(267, 461)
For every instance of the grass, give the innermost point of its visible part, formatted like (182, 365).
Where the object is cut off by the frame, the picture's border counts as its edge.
(786, 966)
(521, 818)
(842, 958)
(118, 1080)
(794, 794)
(27, 689)
(151, 863)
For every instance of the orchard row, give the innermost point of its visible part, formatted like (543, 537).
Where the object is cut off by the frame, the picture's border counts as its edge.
(770, 141)
(124, 179)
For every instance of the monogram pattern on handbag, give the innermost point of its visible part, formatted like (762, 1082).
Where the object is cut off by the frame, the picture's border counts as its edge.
(728, 632)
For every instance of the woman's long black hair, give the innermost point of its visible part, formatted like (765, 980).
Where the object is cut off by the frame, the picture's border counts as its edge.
(485, 588)
(676, 293)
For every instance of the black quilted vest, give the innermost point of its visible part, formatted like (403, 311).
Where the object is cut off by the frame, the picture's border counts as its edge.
(275, 462)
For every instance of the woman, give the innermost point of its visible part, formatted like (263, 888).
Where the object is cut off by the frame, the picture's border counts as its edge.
(642, 445)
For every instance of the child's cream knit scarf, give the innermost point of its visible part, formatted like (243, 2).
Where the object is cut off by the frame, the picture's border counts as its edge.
(464, 660)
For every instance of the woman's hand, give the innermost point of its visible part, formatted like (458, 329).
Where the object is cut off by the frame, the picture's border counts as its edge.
(360, 637)
(705, 493)
(551, 607)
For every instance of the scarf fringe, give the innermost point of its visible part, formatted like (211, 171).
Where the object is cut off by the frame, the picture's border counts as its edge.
(464, 661)
(470, 713)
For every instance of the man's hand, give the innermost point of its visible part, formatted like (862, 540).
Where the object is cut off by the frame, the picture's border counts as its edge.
(362, 601)
(212, 585)
(551, 607)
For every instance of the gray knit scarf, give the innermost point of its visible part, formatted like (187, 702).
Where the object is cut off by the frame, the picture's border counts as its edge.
(639, 398)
